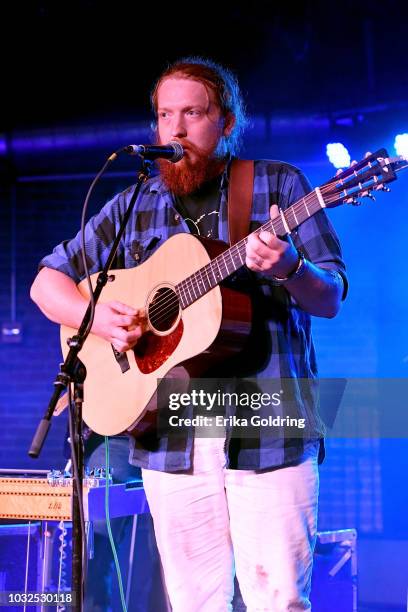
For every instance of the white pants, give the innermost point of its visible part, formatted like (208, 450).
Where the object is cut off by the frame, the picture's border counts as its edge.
(204, 520)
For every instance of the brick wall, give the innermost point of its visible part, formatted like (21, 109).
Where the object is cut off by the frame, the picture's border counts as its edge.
(369, 337)
(46, 213)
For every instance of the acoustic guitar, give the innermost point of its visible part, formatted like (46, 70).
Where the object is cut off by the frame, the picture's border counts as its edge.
(191, 318)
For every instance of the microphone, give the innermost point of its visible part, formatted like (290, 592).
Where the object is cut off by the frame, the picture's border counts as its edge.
(173, 151)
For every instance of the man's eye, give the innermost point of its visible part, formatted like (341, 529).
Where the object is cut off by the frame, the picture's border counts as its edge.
(163, 115)
(194, 113)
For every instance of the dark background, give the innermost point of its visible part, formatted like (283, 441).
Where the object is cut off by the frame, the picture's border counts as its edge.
(63, 61)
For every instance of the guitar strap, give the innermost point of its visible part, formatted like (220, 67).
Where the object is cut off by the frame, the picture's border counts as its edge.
(240, 193)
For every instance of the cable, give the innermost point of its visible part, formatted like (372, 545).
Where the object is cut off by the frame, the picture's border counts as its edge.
(83, 246)
(62, 583)
(108, 526)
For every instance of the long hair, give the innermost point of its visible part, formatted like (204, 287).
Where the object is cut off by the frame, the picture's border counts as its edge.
(227, 93)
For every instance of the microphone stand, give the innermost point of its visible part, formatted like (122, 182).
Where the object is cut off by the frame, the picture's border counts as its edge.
(73, 371)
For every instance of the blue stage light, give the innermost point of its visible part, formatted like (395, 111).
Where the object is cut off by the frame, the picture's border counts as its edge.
(401, 144)
(338, 154)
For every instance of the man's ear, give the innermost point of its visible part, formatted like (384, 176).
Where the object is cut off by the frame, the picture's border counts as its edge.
(229, 123)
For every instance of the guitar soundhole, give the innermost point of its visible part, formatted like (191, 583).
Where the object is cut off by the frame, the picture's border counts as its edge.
(163, 310)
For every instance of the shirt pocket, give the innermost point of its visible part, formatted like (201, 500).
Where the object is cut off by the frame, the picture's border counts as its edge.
(140, 250)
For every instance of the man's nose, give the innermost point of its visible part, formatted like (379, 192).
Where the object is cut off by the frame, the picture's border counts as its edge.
(178, 128)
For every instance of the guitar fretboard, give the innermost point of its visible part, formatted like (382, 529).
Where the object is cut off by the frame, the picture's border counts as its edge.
(228, 262)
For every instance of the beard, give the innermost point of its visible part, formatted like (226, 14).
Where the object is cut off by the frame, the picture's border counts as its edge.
(187, 175)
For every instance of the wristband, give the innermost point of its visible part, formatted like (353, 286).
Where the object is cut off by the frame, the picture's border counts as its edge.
(297, 272)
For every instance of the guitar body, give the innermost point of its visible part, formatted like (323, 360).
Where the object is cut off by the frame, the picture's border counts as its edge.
(191, 328)
(212, 328)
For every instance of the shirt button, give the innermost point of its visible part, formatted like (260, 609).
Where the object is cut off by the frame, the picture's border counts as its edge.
(177, 218)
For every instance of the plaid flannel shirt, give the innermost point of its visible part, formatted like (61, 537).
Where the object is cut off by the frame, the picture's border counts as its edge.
(282, 346)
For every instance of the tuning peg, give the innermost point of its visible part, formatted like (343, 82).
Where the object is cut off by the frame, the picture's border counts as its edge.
(353, 201)
(368, 194)
(382, 187)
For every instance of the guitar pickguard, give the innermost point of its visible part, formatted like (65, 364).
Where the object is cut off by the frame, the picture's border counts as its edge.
(152, 350)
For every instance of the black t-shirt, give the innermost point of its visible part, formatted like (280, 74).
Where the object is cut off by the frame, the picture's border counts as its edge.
(200, 209)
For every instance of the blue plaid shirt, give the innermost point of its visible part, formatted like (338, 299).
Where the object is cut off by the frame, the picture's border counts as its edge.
(281, 345)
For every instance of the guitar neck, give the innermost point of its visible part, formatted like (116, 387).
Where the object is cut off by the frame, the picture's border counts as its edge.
(198, 284)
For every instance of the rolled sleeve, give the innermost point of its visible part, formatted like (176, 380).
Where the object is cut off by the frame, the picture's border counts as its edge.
(316, 237)
(100, 232)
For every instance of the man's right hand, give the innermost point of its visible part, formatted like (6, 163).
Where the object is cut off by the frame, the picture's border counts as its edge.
(119, 324)
(58, 297)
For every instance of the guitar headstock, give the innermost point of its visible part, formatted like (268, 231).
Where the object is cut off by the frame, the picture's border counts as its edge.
(373, 173)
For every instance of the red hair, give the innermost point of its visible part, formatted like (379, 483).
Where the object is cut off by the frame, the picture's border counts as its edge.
(221, 82)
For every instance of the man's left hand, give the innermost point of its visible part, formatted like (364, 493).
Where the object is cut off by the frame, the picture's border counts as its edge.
(267, 253)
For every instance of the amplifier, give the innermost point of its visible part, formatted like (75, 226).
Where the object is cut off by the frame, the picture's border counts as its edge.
(37, 556)
(49, 499)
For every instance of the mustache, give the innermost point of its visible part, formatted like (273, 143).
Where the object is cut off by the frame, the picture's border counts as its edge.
(187, 146)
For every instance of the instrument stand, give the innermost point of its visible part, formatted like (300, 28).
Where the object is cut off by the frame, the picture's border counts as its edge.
(74, 371)
(77, 455)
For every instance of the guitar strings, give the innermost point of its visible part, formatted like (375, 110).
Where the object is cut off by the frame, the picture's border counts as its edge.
(169, 306)
(192, 282)
(220, 262)
(197, 277)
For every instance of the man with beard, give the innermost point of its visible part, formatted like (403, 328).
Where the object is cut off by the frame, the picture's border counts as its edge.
(216, 500)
